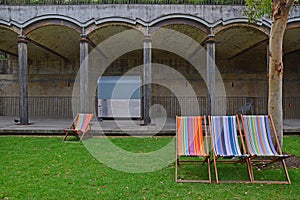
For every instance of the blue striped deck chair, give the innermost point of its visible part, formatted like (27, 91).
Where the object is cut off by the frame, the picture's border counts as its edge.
(191, 142)
(79, 126)
(258, 130)
(226, 147)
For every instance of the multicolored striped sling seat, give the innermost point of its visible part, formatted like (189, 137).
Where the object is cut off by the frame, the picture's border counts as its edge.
(225, 143)
(224, 136)
(259, 132)
(191, 142)
(79, 126)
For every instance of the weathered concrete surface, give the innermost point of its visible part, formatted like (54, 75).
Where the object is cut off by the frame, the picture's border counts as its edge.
(23, 82)
(51, 126)
(147, 15)
(54, 33)
(84, 15)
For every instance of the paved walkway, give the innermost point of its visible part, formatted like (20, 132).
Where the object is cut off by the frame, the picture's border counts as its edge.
(55, 126)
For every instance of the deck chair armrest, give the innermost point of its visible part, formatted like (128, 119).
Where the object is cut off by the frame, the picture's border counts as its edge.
(72, 126)
(285, 155)
(70, 129)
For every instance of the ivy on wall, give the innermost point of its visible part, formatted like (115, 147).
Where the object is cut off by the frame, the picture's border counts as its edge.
(2, 57)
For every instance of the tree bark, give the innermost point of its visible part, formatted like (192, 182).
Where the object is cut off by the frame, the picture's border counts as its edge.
(280, 12)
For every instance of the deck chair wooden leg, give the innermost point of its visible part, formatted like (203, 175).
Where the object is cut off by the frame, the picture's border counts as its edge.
(288, 181)
(286, 172)
(250, 171)
(176, 170)
(208, 166)
(65, 136)
(80, 140)
(205, 160)
(216, 170)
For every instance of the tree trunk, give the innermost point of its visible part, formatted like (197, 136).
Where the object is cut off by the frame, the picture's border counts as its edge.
(279, 16)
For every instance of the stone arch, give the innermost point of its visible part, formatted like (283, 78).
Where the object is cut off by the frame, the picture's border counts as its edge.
(241, 55)
(91, 28)
(8, 49)
(98, 32)
(9, 26)
(223, 26)
(181, 19)
(291, 53)
(291, 42)
(231, 33)
(101, 31)
(8, 40)
(46, 34)
(293, 23)
(43, 21)
(53, 53)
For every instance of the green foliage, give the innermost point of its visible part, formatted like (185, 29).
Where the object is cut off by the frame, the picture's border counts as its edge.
(46, 168)
(256, 9)
(74, 2)
(2, 57)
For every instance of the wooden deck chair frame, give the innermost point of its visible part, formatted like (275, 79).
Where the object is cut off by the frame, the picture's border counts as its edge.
(264, 155)
(79, 128)
(197, 143)
(240, 155)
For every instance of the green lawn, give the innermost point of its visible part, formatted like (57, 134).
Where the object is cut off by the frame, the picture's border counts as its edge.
(46, 168)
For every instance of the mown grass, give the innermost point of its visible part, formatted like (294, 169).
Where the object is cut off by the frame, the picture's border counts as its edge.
(46, 168)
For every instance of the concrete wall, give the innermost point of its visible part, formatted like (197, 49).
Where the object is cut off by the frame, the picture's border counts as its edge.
(144, 14)
(244, 74)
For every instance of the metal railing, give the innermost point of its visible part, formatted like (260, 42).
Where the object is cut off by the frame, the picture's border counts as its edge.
(8, 66)
(38, 106)
(62, 106)
(291, 107)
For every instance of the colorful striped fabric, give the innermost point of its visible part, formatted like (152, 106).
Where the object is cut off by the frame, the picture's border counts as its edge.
(258, 135)
(83, 121)
(190, 139)
(224, 136)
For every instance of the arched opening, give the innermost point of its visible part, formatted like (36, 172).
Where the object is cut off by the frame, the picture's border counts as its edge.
(8, 51)
(8, 72)
(173, 51)
(291, 83)
(52, 60)
(241, 57)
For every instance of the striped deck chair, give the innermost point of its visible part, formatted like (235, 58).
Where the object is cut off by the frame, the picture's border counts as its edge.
(79, 126)
(191, 142)
(225, 143)
(260, 145)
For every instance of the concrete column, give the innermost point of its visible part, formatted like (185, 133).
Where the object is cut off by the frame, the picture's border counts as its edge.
(84, 75)
(23, 79)
(147, 79)
(211, 79)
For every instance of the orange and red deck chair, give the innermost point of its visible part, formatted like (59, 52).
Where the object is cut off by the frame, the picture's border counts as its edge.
(258, 130)
(79, 126)
(191, 142)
